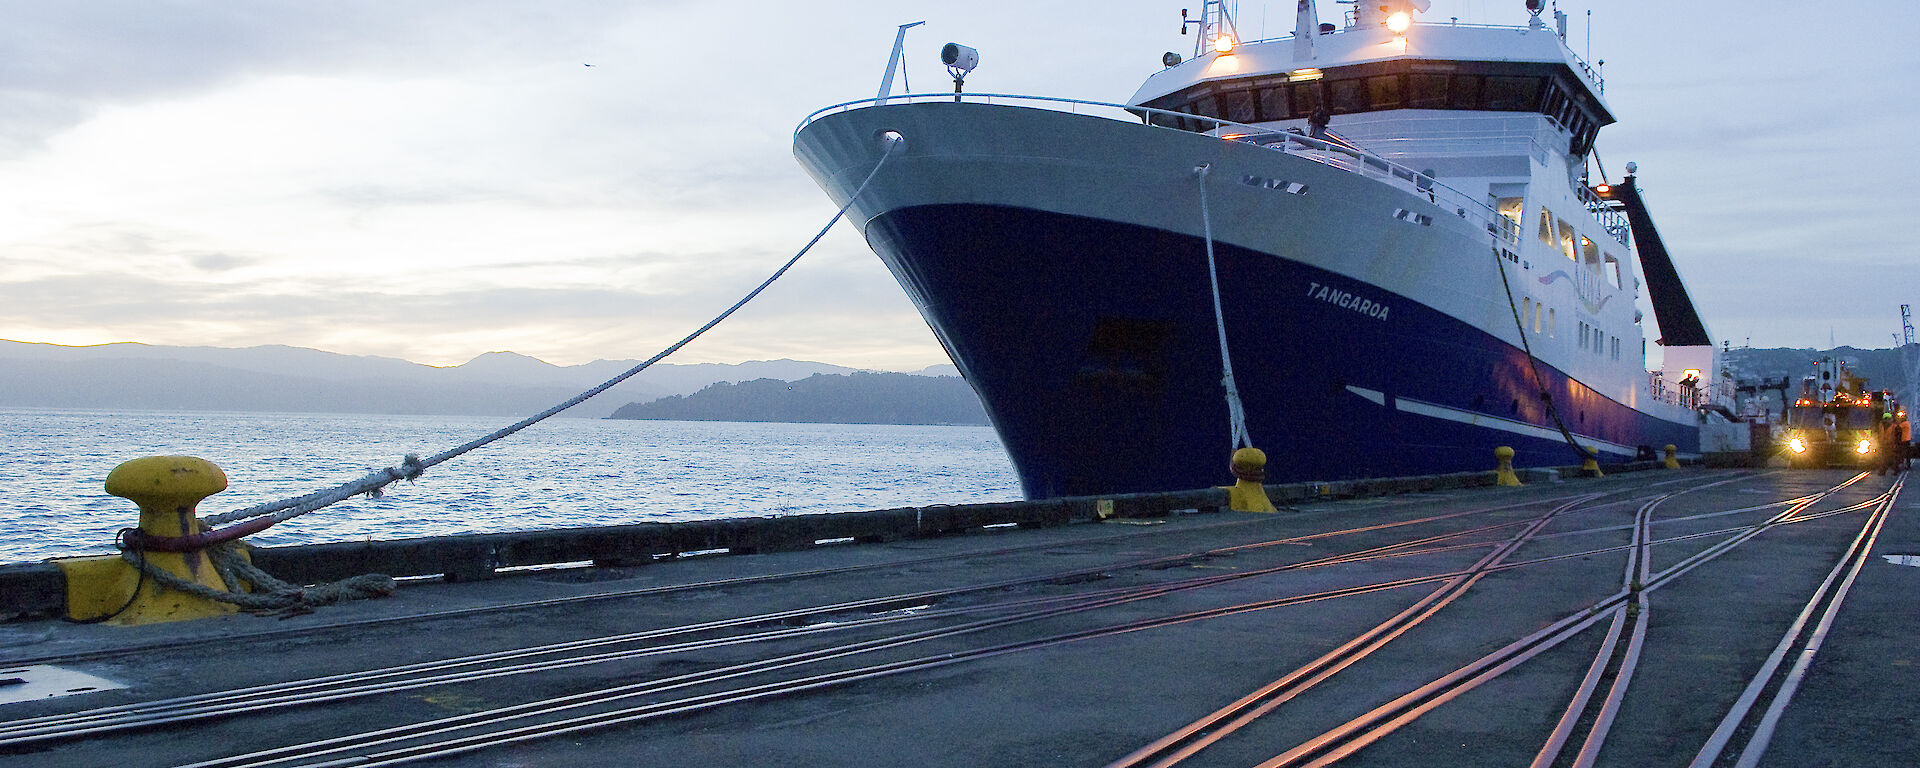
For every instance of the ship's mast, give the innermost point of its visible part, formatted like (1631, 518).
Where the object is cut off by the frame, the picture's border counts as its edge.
(1216, 24)
(893, 62)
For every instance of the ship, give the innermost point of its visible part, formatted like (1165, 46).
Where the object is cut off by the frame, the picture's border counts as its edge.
(1383, 248)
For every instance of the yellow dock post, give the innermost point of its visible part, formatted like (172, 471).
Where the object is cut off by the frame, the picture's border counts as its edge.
(1247, 493)
(1673, 460)
(167, 488)
(1504, 475)
(1591, 467)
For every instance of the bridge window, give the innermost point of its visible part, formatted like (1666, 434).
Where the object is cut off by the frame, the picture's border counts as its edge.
(1239, 106)
(1590, 252)
(1306, 98)
(1546, 225)
(1512, 94)
(1346, 97)
(1583, 138)
(1270, 98)
(1205, 105)
(1463, 91)
(1555, 100)
(1383, 92)
(1612, 270)
(1566, 242)
(1568, 115)
(1273, 103)
(1426, 91)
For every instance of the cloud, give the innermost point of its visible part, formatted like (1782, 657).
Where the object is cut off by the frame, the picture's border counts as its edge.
(433, 180)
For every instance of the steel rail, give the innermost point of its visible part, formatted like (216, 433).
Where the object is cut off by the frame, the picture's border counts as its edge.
(1655, 542)
(708, 701)
(175, 645)
(1399, 549)
(252, 637)
(1825, 601)
(597, 720)
(1197, 735)
(1354, 735)
(611, 694)
(1606, 663)
(1639, 614)
(405, 677)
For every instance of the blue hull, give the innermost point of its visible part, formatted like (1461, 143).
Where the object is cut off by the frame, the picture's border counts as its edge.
(1093, 345)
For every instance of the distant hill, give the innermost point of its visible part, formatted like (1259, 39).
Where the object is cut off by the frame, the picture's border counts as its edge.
(1884, 368)
(300, 380)
(858, 398)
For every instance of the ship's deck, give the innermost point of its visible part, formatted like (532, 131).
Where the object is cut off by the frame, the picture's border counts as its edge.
(1199, 611)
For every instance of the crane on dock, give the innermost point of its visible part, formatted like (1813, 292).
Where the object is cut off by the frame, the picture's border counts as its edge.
(1911, 352)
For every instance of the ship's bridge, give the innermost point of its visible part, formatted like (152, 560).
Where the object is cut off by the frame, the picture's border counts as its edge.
(1367, 69)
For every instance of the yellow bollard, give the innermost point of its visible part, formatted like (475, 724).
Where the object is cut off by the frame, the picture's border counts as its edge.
(1504, 475)
(1249, 470)
(1673, 460)
(1591, 467)
(167, 488)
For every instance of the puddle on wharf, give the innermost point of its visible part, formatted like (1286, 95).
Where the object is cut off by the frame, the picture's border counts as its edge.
(1903, 559)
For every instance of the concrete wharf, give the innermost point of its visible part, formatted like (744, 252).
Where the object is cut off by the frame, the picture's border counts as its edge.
(1615, 621)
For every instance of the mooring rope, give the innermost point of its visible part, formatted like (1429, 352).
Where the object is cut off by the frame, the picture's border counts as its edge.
(256, 590)
(1236, 413)
(1499, 262)
(412, 466)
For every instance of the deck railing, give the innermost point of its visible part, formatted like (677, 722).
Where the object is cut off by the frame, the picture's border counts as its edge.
(1332, 153)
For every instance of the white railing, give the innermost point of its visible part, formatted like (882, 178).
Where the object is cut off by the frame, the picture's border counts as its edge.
(1331, 153)
(1611, 215)
(1681, 396)
(1055, 103)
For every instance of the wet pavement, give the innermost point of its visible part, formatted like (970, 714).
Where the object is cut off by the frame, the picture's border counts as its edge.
(1078, 644)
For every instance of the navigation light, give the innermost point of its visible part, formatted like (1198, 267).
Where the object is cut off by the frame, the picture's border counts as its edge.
(1399, 22)
(1223, 44)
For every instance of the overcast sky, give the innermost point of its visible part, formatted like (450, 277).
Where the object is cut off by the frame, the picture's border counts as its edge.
(433, 180)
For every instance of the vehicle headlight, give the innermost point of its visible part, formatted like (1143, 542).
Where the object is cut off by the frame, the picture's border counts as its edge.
(1798, 444)
(1865, 446)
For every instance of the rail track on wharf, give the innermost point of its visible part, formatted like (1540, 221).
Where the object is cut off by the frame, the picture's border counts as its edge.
(1511, 627)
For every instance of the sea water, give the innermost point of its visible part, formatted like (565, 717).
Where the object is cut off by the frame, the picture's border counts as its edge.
(560, 473)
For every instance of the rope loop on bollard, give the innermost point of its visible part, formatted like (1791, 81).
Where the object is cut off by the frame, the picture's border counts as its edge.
(251, 588)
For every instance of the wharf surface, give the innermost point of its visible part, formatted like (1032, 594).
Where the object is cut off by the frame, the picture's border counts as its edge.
(1084, 644)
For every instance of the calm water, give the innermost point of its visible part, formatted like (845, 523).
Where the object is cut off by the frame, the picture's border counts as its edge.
(559, 473)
